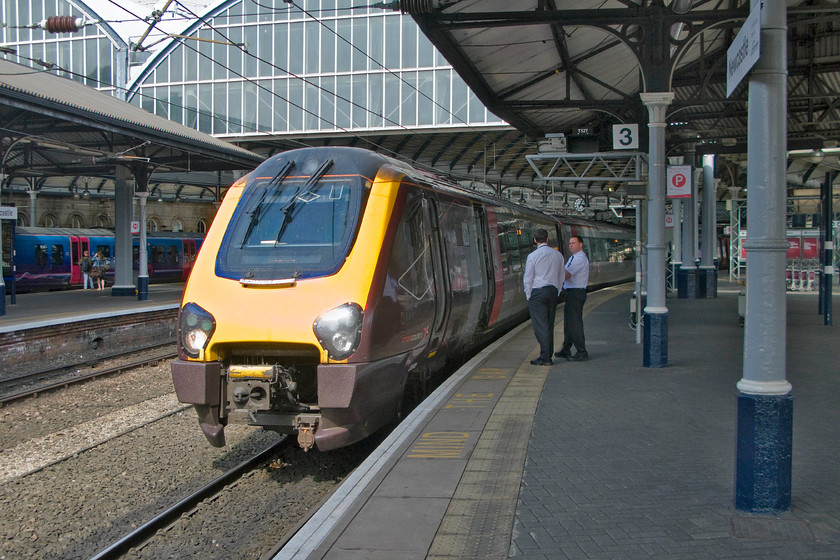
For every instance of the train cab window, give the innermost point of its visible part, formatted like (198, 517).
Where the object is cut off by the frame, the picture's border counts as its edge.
(172, 255)
(291, 228)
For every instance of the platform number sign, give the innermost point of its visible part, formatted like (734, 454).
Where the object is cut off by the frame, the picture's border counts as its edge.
(625, 137)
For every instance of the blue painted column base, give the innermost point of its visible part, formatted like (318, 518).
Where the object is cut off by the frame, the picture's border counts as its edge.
(706, 283)
(142, 288)
(687, 283)
(655, 340)
(763, 453)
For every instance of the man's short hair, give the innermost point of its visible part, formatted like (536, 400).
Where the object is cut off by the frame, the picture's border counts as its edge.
(541, 235)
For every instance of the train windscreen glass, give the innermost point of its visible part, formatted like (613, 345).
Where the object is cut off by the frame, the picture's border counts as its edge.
(290, 228)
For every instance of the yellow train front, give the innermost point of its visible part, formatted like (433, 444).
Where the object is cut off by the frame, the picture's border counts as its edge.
(313, 298)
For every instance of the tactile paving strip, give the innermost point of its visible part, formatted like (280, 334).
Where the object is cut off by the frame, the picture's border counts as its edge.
(478, 523)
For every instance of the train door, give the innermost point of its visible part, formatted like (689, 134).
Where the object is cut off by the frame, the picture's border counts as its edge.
(189, 257)
(78, 246)
(443, 295)
(488, 276)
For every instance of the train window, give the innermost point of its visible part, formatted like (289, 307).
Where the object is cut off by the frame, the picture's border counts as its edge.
(290, 228)
(156, 254)
(410, 264)
(172, 255)
(58, 255)
(104, 250)
(41, 257)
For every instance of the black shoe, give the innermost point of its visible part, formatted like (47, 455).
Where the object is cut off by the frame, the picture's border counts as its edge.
(580, 357)
(563, 354)
(539, 362)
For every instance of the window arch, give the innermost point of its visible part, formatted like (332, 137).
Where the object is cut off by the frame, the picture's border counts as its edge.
(22, 219)
(76, 221)
(102, 221)
(152, 224)
(177, 224)
(48, 220)
(201, 226)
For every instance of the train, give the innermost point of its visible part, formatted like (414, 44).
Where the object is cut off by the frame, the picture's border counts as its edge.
(48, 258)
(331, 276)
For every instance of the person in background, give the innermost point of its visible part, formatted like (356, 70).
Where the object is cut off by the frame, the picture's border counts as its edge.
(543, 282)
(98, 272)
(577, 278)
(85, 265)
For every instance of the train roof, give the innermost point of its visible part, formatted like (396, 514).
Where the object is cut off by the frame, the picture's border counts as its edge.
(101, 232)
(87, 232)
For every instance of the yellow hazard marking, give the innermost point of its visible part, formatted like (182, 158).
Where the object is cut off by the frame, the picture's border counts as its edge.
(470, 400)
(439, 445)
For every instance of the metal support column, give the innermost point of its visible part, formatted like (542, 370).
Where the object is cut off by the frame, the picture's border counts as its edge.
(676, 246)
(765, 405)
(707, 273)
(123, 257)
(827, 276)
(33, 206)
(687, 279)
(143, 265)
(656, 313)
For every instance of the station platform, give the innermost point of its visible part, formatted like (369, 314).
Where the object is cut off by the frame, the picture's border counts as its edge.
(602, 459)
(45, 309)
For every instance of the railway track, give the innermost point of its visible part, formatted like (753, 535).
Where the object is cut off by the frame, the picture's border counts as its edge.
(29, 384)
(145, 531)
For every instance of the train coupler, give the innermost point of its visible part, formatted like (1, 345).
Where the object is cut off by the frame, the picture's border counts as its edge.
(306, 427)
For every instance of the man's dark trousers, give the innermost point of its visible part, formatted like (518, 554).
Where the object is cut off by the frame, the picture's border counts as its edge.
(573, 319)
(542, 307)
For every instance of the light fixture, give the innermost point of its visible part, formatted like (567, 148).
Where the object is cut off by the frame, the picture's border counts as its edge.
(817, 155)
(86, 193)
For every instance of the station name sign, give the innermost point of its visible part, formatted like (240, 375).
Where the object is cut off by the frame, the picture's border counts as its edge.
(744, 51)
(8, 213)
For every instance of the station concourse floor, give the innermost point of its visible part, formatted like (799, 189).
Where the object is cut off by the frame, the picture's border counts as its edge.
(602, 459)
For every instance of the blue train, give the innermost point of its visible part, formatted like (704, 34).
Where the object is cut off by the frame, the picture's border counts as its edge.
(47, 258)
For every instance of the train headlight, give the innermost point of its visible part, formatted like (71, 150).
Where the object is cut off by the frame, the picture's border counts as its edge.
(195, 327)
(339, 330)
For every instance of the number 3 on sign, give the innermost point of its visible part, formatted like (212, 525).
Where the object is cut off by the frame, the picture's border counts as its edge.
(625, 137)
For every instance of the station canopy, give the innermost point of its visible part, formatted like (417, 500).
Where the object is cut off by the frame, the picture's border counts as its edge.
(577, 68)
(55, 130)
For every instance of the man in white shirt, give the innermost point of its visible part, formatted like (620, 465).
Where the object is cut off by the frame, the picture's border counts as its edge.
(577, 278)
(543, 281)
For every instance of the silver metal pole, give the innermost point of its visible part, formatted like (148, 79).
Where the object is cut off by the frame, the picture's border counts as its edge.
(765, 406)
(656, 313)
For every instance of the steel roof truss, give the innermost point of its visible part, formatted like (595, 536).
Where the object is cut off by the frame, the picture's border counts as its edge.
(621, 167)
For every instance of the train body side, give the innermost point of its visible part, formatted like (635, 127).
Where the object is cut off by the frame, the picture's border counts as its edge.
(47, 258)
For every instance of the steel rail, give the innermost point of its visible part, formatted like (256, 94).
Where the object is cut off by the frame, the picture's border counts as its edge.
(166, 517)
(92, 375)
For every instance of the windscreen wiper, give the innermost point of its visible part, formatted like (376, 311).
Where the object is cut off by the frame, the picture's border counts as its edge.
(290, 208)
(256, 214)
